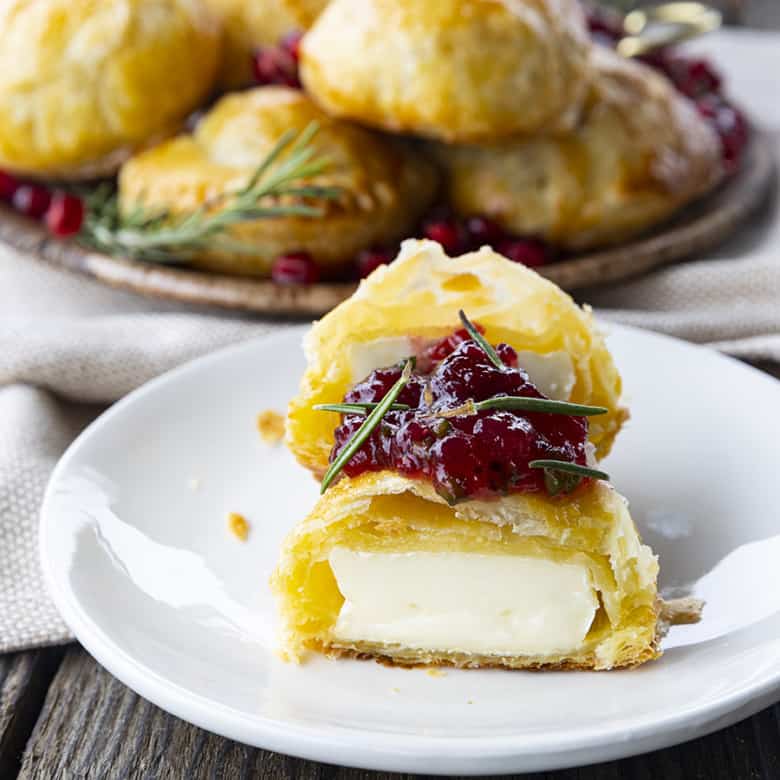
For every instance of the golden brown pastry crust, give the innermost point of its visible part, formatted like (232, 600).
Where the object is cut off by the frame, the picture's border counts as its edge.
(388, 512)
(85, 82)
(639, 154)
(248, 24)
(385, 185)
(460, 70)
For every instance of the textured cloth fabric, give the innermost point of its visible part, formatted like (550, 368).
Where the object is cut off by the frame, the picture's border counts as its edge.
(70, 346)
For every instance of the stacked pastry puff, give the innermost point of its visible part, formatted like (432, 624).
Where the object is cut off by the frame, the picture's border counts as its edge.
(498, 108)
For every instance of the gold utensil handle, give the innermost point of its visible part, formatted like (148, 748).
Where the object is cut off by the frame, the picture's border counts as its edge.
(663, 25)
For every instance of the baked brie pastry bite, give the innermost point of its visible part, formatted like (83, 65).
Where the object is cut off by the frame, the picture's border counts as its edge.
(457, 70)
(84, 83)
(406, 307)
(467, 528)
(640, 152)
(249, 24)
(384, 186)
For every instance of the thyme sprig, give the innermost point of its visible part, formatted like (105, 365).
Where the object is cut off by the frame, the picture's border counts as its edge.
(277, 188)
(366, 428)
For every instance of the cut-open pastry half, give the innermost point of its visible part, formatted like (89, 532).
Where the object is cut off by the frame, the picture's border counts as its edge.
(384, 567)
(405, 308)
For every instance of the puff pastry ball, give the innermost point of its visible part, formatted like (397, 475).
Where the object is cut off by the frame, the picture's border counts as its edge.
(248, 24)
(456, 70)
(384, 185)
(641, 152)
(85, 82)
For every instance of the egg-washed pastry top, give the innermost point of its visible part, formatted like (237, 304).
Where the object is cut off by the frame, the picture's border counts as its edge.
(85, 82)
(404, 308)
(640, 151)
(250, 24)
(448, 542)
(457, 70)
(384, 185)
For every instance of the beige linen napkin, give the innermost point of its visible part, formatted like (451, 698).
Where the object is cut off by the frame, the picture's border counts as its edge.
(69, 346)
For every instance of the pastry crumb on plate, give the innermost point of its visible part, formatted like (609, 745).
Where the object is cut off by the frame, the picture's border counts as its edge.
(270, 424)
(238, 526)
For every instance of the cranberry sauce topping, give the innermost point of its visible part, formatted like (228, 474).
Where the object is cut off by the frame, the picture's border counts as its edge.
(467, 455)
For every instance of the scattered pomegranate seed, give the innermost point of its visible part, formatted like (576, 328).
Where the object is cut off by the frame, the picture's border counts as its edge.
(447, 232)
(605, 26)
(8, 186)
(275, 65)
(65, 215)
(32, 200)
(484, 231)
(730, 125)
(527, 251)
(291, 43)
(295, 268)
(370, 259)
(693, 77)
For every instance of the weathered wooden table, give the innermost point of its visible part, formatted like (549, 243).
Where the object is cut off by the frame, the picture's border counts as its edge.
(63, 716)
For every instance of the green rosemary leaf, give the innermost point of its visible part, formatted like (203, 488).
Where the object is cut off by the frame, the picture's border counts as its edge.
(480, 339)
(359, 408)
(547, 405)
(283, 143)
(569, 468)
(367, 427)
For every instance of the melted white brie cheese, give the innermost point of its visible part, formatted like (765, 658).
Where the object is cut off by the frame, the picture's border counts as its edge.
(468, 602)
(552, 373)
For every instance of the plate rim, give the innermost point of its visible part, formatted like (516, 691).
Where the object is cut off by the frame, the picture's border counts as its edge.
(377, 750)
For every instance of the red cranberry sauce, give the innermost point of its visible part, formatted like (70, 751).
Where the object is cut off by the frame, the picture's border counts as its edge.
(466, 456)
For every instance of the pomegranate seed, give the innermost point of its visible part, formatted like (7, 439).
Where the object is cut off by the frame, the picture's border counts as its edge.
(527, 251)
(65, 215)
(446, 232)
(693, 77)
(32, 200)
(291, 43)
(295, 268)
(484, 231)
(275, 66)
(370, 259)
(605, 26)
(8, 186)
(730, 125)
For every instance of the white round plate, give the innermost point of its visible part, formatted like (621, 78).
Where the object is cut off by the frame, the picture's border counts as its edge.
(138, 556)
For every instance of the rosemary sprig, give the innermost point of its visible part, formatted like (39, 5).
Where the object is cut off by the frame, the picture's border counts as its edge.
(562, 476)
(358, 408)
(481, 340)
(547, 405)
(366, 428)
(167, 238)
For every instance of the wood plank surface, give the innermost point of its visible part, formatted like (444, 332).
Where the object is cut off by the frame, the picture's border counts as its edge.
(92, 726)
(24, 680)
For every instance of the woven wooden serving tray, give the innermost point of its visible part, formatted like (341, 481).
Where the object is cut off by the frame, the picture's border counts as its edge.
(698, 228)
